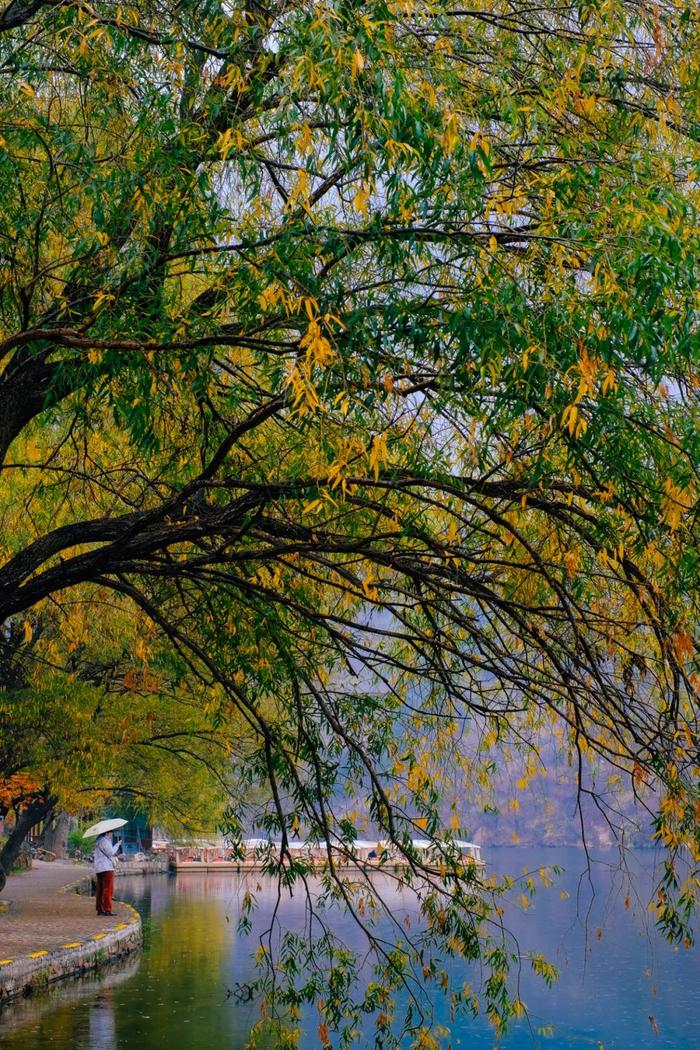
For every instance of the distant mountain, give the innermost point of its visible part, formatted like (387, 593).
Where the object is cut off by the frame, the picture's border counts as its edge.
(546, 811)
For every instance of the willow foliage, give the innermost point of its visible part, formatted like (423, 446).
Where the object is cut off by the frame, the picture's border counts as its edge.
(356, 347)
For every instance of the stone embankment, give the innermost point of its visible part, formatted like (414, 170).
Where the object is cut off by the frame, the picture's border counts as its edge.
(50, 932)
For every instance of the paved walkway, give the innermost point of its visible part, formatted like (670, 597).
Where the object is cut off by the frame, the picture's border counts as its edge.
(43, 917)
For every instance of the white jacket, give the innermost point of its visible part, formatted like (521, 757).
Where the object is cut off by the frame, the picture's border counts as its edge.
(104, 852)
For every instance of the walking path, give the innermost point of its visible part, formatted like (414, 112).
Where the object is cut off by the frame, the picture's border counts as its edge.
(45, 914)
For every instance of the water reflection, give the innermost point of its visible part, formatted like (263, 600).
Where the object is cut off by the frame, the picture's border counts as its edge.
(49, 1019)
(619, 983)
(102, 1027)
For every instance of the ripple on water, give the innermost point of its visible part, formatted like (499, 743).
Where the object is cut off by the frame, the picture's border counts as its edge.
(618, 990)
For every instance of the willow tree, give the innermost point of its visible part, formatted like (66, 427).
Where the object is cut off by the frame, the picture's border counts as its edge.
(117, 725)
(355, 348)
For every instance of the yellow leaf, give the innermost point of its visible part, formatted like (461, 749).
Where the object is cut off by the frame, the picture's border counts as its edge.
(450, 136)
(674, 504)
(358, 63)
(227, 141)
(361, 200)
(571, 562)
(32, 451)
(317, 346)
(569, 417)
(610, 381)
(379, 454)
(304, 140)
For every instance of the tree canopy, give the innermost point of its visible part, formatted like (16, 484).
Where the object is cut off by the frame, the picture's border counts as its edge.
(93, 713)
(354, 349)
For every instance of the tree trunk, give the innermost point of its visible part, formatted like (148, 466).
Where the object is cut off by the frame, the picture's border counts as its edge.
(37, 810)
(55, 834)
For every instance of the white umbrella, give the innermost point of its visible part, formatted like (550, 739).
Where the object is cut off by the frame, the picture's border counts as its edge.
(104, 825)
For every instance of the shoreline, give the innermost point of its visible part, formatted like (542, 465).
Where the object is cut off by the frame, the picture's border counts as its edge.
(81, 951)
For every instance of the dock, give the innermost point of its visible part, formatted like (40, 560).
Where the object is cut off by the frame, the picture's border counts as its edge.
(257, 853)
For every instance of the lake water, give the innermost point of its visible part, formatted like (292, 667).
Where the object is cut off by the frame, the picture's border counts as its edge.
(620, 986)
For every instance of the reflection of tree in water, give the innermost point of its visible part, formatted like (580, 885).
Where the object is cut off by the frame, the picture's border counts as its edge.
(176, 994)
(150, 893)
(198, 961)
(59, 1015)
(181, 986)
(101, 1022)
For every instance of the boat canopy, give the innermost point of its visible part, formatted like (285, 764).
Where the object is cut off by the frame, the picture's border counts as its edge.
(299, 845)
(424, 844)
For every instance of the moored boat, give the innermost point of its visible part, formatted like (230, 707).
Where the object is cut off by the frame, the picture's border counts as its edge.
(254, 854)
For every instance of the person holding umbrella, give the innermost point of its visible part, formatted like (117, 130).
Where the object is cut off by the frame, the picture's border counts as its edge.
(105, 851)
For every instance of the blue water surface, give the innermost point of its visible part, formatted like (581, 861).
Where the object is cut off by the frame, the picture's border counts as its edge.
(621, 985)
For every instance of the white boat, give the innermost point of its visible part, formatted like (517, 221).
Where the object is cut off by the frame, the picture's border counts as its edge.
(469, 851)
(257, 852)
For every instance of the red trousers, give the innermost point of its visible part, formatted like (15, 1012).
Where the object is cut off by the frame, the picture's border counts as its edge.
(105, 888)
